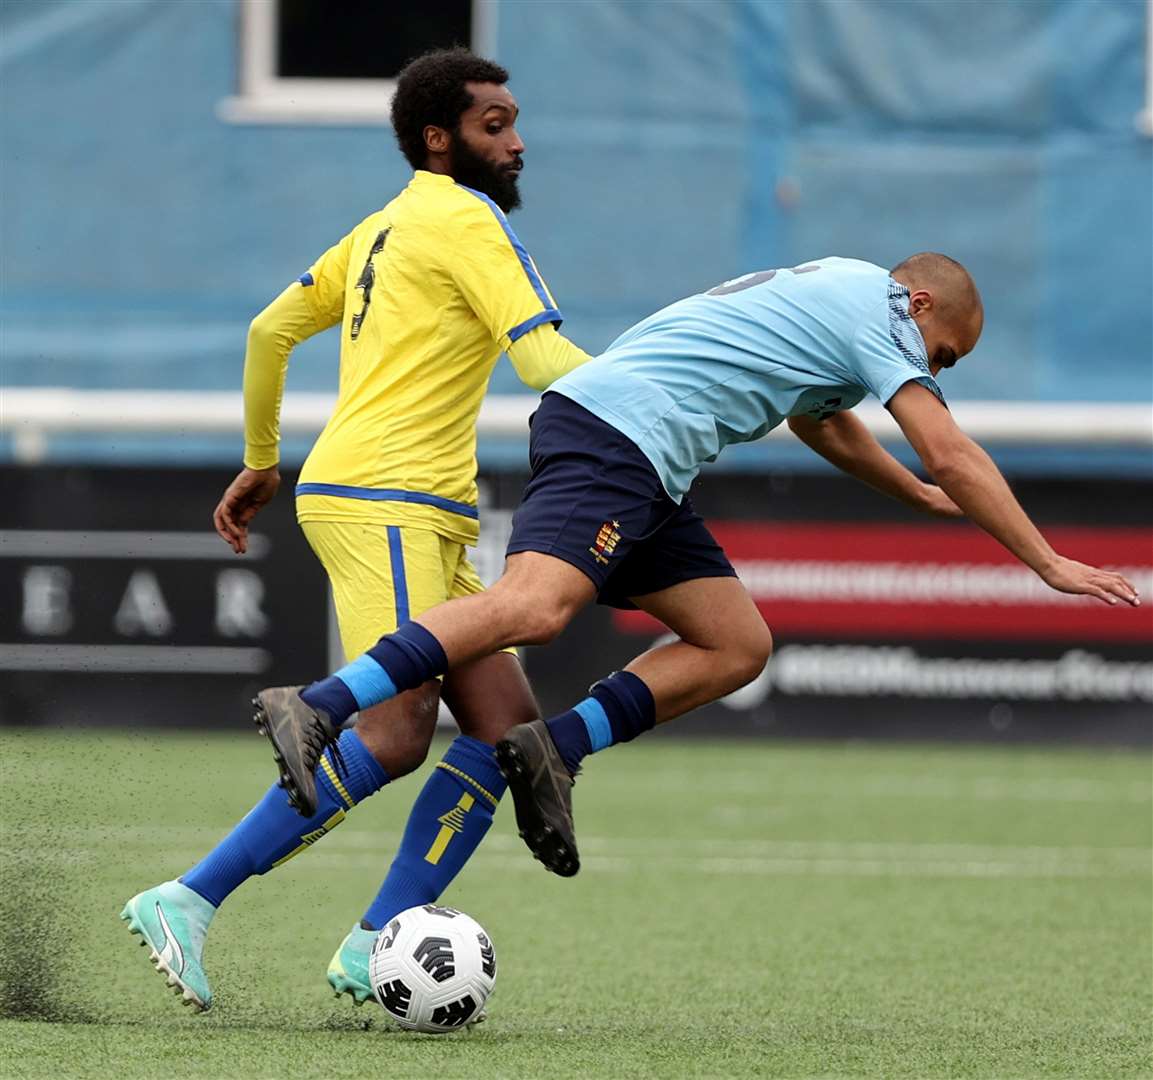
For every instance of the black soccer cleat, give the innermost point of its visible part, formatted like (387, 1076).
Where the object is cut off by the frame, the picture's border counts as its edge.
(299, 735)
(542, 794)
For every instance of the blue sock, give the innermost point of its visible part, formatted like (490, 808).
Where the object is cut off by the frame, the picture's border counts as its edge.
(448, 820)
(272, 832)
(617, 709)
(397, 662)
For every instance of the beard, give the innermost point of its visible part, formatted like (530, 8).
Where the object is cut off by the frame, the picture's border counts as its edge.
(474, 171)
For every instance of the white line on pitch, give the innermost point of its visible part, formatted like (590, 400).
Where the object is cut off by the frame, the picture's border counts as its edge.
(351, 849)
(329, 860)
(896, 786)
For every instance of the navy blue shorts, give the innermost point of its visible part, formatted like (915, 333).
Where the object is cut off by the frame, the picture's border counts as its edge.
(595, 501)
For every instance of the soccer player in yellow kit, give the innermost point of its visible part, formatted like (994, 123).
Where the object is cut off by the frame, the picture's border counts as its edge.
(428, 292)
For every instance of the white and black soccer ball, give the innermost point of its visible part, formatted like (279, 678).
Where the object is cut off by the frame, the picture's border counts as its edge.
(432, 969)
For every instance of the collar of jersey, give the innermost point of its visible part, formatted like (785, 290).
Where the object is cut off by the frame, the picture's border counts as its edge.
(423, 176)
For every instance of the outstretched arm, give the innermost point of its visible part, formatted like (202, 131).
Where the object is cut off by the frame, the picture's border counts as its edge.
(845, 441)
(975, 484)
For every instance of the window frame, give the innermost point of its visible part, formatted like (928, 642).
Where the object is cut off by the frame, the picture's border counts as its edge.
(1144, 118)
(264, 97)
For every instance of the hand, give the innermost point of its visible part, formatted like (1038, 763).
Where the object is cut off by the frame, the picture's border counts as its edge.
(934, 501)
(1070, 576)
(241, 502)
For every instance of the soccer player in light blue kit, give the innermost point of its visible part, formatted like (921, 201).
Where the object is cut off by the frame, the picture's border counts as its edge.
(616, 445)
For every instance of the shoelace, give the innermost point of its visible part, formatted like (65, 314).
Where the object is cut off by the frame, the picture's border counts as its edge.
(322, 737)
(335, 755)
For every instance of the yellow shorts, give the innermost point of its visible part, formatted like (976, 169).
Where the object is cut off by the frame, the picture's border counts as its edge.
(383, 575)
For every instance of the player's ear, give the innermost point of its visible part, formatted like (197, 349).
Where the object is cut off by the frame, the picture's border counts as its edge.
(436, 139)
(920, 302)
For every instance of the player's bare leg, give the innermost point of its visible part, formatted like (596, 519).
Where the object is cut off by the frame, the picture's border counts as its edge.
(397, 733)
(489, 696)
(536, 597)
(723, 644)
(534, 600)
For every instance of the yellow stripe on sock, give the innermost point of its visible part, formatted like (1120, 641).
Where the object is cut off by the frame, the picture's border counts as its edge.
(468, 780)
(330, 772)
(310, 838)
(450, 824)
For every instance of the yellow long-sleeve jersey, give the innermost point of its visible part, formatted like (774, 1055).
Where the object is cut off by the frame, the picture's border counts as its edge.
(428, 291)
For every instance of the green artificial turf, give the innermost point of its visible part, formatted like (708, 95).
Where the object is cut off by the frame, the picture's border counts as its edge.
(744, 909)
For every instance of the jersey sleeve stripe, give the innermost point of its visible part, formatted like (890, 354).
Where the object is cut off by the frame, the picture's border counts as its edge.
(348, 491)
(549, 315)
(518, 247)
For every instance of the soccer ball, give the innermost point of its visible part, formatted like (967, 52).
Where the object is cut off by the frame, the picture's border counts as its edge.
(432, 969)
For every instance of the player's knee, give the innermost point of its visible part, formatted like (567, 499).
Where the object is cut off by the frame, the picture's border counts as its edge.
(529, 617)
(406, 757)
(748, 657)
(398, 734)
(540, 625)
(397, 754)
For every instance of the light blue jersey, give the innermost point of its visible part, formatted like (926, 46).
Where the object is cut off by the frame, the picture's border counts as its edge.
(729, 365)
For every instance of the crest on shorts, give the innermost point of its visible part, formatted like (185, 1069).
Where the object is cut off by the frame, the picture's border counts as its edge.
(606, 542)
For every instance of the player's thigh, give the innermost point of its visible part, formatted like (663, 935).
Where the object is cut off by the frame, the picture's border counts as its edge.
(710, 612)
(682, 576)
(463, 577)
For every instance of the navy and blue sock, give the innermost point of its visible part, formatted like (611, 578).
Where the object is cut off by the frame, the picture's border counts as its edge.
(397, 662)
(617, 709)
(272, 832)
(448, 820)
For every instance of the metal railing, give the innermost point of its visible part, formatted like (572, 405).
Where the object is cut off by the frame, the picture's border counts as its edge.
(32, 415)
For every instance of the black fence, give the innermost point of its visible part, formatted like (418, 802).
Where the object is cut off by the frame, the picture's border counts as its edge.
(118, 604)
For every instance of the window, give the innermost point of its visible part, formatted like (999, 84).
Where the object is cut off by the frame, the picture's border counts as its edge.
(313, 61)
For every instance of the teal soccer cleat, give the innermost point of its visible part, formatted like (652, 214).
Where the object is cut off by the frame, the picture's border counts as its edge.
(348, 968)
(172, 921)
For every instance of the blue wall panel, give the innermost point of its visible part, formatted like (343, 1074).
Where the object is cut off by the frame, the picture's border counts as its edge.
(669, 146)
